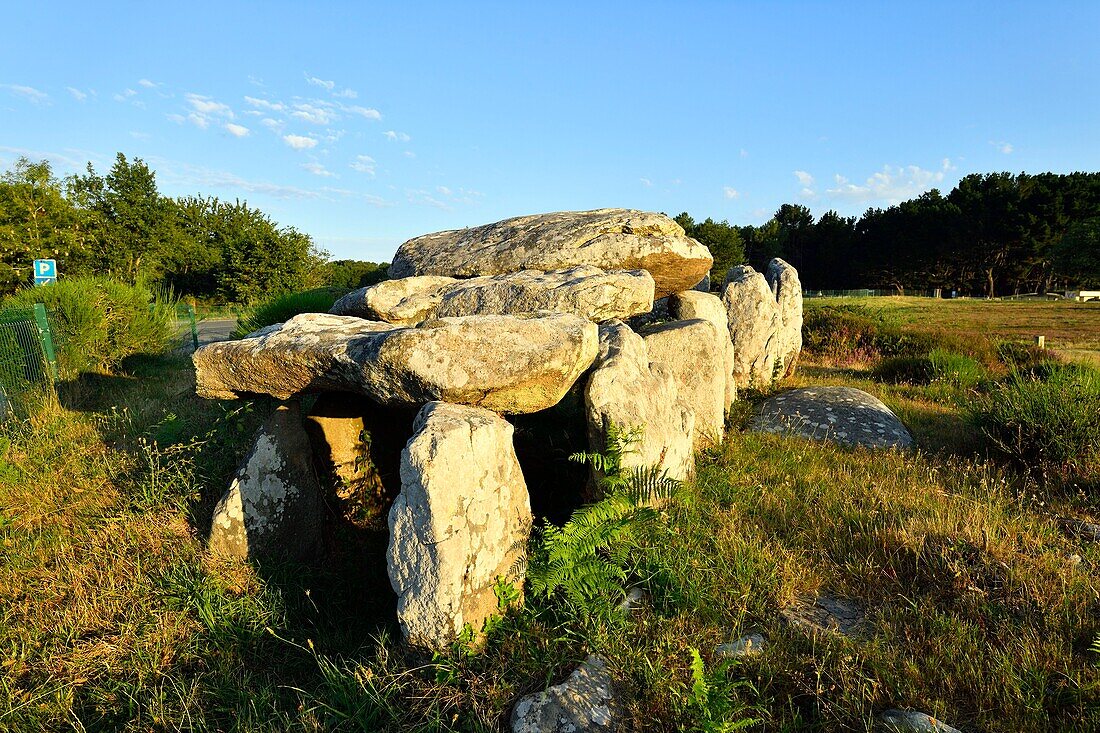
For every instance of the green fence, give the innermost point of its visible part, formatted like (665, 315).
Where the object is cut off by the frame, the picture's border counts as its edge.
(28, 363)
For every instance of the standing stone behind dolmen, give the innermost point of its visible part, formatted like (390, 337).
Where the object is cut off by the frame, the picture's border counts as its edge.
(787, 289)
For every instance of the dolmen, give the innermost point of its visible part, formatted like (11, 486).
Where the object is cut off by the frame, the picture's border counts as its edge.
(476, 329)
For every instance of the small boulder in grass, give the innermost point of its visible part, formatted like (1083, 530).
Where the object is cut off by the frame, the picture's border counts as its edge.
(584, 702)
(746, 646)
(911, 721)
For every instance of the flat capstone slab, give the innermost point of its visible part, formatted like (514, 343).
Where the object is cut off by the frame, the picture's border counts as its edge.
(841, 414)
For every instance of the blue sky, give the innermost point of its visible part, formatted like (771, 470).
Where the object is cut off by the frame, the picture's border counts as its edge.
(364, 125)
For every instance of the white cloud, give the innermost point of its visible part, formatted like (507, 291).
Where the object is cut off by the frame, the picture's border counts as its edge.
(276, 125)
(367, 112)
(265, 104)
(124, 95)
(891, 185)
(197, 176)
(177, 118)
(1002, 146)
(318, 170)
(369, 198)
(329, 85)
(410, 154)
(60, 160)
(299, 142)
(148, 84)
(645, 182)
(807, 193)
(363, 164)
(948, 165)
(804, 178)
(346, 94)
(77, 94)
(419, 196)
(730, 193)
(744, 153)
(204, 110)
(207, 106)
(313, 113)
(237, 130)
(394, 135)
(444, 190)
(140, 135)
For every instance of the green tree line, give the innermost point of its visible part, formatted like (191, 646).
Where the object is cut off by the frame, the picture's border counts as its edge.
(119, 224)
(993, 234)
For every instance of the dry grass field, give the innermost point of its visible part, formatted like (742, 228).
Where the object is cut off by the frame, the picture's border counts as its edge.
(974, 603)
(1070, 328)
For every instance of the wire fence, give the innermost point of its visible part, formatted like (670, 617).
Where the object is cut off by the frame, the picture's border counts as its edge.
(867, 293)
(28, 364)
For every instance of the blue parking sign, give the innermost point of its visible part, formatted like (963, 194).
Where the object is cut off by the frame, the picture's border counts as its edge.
(45, 272)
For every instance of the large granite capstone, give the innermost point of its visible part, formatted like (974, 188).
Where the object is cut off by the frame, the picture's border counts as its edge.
(610, 239)
(584, 291)
(840, 414)
(509, 364)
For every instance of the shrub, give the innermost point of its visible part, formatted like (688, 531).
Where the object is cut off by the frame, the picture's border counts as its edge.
(98, 322)
(939, 365)
(1027, 358)
(1052, 422)
(841, 333)
(284, 307)
(904, 370)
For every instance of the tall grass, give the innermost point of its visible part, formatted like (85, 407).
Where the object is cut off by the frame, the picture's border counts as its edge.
(1048, 419)
(283, 307)
(98, 321)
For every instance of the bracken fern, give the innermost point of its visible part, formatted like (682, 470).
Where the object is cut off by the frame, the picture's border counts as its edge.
(586, 558)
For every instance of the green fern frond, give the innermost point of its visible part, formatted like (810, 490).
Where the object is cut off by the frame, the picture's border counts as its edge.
(586, 558)
(700, 691)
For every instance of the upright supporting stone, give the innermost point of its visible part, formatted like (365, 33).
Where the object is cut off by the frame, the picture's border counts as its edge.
(273, 507)
(357, 446)
(459, 524)
(628, 391)
(692, 352)
(694, 304)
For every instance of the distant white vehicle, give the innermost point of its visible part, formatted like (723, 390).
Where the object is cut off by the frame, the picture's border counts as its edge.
(1083, 296)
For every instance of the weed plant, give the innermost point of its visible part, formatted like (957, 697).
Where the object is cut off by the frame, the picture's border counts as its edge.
(283, 307)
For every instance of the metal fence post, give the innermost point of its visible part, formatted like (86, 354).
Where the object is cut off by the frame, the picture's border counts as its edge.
(194, 328)
(45, 337)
